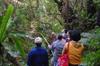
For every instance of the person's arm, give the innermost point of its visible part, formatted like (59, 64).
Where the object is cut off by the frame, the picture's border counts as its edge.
(65, 49)
(46, 60)
(29, 60)
(53, 46)
(50, 46)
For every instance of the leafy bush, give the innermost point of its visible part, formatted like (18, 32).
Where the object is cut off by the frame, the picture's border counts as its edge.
(92, 58)
(6, 39)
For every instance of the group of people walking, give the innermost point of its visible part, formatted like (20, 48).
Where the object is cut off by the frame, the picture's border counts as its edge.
(65, 43)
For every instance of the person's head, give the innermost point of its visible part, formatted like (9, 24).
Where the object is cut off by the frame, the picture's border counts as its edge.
(74, 35)
(64, 33)
(60, 37)
(68, 36)
(38, 40)
(65, 30)
(53, 34)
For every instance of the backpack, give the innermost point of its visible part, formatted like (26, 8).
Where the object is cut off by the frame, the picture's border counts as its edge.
(63, 60)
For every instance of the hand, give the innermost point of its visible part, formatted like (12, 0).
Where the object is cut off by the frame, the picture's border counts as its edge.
(49, 46)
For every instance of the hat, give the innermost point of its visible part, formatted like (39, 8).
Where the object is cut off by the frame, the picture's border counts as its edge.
(38, 40)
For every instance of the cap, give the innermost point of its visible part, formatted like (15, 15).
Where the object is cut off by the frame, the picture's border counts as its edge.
(38, 40)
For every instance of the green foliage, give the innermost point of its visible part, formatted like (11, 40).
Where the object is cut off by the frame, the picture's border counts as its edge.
(45, 18)
(92, 58)
(19, 45)
(97, 4)
(5, 22)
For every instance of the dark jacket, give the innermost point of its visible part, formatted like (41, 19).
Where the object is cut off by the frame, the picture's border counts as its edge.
(38, 57)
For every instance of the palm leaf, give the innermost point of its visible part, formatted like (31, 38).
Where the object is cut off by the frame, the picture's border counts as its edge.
(18, 41)
(5, 22)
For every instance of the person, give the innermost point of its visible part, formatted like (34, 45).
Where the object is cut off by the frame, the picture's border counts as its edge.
(74, 48)
(38, 56)
(52, 37)
(57, 47)
(65, 34)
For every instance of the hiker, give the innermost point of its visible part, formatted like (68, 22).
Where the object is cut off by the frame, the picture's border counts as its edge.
(38, 56)
(74, 48)
(52, 37)
(57, 47)
(65, 34)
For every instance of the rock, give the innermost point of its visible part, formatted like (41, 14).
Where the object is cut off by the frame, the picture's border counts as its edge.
(84, 40)
(87, 35)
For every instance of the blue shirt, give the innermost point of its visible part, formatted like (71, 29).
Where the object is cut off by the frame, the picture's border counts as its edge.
(38, 57)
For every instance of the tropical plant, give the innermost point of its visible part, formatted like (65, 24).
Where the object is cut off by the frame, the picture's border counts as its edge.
(5, 23)
(93, 54)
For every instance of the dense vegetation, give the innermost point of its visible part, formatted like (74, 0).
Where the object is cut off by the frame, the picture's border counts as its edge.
(22, 20)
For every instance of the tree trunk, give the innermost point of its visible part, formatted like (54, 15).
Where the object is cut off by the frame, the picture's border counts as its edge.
(66, 12)
(91, 9)
(98, 18)
(71, 21)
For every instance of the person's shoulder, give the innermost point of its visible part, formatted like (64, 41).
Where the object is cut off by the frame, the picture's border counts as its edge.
(63, 40)
(55, 42)
(66, 44)
(32, 50)
(44, 49)
(81, 45)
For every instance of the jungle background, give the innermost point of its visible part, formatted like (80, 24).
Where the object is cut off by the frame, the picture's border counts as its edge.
(22, 20)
